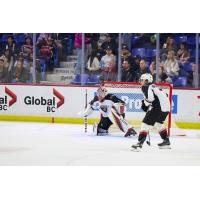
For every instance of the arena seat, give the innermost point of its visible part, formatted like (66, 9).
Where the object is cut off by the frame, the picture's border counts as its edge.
(93, 80)
(191, 40)
(180, 39)
(187, 67)
(150, 53)
(78, 77)
(180, 82)
(134, 40)
(138, 52)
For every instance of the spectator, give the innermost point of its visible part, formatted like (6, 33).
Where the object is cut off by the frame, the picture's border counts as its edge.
(108, 64)
(137, 59)
(168, 46)
(8, 60)
(4, 73)
(142, 70)
(19, 58)
(109, 42)
(171, 67)
(152, 69)
(19, 73)
(94, 38)
(27, 50)
(42, 38)
(62, 42)
(93, 64)
(47, 53)
(126, 39)
(183, 54)
(128, 75)
(78, 46)
(126, 54)
(162, 76)
(11, 46)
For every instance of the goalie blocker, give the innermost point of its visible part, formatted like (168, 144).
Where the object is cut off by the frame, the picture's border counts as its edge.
(112, 111)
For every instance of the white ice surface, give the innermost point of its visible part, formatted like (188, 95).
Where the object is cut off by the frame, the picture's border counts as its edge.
(66, 144)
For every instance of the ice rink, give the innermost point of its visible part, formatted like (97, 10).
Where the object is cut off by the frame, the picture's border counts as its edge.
(23, 143)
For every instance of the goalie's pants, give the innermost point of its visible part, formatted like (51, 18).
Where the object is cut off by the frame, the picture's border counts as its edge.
(155, 115)
(104, 123)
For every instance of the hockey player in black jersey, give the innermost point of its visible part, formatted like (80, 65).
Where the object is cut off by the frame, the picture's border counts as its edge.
(157, 107)
(111, 109)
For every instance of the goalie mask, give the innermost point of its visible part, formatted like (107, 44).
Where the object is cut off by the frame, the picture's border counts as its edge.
(146, 79)
(101, 93)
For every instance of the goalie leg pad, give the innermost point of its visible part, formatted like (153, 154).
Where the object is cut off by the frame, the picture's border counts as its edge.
(99, 131)
(102, 127)
(102, 132)
(121, 123)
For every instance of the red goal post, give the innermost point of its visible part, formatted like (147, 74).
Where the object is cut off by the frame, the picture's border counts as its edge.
(133, 89)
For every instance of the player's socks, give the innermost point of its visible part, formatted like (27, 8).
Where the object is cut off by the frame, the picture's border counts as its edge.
(164, 136)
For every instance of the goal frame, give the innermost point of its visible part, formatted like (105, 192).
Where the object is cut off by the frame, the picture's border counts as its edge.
(165, 85)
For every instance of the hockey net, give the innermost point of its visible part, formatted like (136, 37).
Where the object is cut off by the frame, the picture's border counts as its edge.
(130, 92)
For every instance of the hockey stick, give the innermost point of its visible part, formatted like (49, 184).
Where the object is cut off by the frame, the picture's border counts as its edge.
(85, 118)
(149, 140)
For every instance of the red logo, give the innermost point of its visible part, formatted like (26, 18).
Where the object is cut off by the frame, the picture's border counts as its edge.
(12, 95)
(60, 97)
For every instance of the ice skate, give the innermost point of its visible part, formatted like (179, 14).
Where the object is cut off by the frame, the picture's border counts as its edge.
(165, 144)
(130, 132)
(136, 147)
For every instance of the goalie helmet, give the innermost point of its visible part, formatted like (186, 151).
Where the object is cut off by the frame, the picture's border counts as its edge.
(146, 78)
(102, 92)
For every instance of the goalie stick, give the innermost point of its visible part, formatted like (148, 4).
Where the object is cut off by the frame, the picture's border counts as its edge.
(85, 118)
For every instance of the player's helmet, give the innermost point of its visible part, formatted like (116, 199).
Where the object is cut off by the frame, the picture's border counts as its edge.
(146, 78)
(102, 92)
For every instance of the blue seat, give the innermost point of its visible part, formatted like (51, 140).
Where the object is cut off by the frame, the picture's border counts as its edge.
(180, 82)
(191, 40)
(187, 67)
(180, 39)
(20, 38)
(150, 53)
(93, 80)
(139, 52)
(5, 37)
(134, 40)
(80, 77)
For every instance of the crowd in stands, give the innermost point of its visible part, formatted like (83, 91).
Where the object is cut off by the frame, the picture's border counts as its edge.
(177, 56)
(138, 56)
(16, 55)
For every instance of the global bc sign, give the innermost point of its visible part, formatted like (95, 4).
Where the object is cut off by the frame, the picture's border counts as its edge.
(7, 100)
(49, 103)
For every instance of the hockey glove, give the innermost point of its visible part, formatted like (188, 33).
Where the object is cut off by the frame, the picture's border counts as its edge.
(144, 107)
